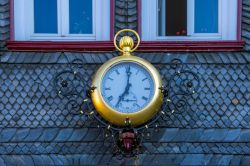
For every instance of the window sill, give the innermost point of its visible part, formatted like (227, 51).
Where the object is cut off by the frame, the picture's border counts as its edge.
(46, 46)
(156, 46)
(185, 46)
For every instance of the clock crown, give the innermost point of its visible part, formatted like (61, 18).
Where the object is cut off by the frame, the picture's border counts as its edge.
(126, 43)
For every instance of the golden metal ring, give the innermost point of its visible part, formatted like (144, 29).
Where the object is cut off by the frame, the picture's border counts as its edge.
(127, 30)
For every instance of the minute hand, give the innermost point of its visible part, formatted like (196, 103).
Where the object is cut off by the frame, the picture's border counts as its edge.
(128, 78)
(126, 91)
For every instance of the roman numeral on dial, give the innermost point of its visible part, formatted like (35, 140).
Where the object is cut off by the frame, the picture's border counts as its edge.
(110, 98)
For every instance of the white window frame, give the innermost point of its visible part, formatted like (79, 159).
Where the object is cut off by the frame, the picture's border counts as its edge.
(227, 29)
(24, 22)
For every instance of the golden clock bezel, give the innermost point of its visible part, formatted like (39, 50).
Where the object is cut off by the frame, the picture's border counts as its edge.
(118, 118)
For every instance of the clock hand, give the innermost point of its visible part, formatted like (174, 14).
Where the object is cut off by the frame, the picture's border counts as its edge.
(126, 88)
(128, 77)
(123, 94)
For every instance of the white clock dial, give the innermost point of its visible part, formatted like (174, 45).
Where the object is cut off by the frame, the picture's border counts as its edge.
(127, 87)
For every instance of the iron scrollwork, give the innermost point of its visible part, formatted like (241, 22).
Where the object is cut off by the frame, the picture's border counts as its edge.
(127, 141)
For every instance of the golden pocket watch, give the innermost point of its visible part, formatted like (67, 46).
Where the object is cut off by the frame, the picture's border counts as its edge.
(127, 88)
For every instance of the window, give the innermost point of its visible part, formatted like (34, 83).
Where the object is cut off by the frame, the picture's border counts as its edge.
(189, 20)
(61, 20)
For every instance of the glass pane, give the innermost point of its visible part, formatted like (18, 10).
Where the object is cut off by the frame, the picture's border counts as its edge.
(45, 15)
(162, 17)
(172, 17)
(206, 16)
(80, 14)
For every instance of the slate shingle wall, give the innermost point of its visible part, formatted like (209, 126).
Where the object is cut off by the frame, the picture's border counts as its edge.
(4, 23)
(125, 14)
(28, 98)
(36, 128)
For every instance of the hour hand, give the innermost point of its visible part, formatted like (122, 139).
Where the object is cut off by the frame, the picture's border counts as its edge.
(123, 94)
(119, 100)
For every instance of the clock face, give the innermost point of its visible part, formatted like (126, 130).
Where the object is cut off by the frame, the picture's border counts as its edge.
(127, 87)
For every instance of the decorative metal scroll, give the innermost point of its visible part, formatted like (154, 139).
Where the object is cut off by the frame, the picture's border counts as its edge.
(127, 142)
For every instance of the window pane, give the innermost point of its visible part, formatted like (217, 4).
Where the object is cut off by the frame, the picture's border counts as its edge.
(162, 17)
(206, 16)
(45, 15)
(80, 16)
(172, 17)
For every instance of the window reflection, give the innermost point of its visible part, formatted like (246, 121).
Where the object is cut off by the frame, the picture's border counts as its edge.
(80, 16)
(45, 16)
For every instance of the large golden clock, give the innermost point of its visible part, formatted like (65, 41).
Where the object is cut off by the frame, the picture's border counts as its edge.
(127, 88)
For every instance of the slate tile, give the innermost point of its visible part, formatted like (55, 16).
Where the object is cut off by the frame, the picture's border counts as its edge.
(214, 135)
(49, 134)
(244, 136)
(9, 160)
(246, 56)
(52, 58)
(236, 160)
(38, 160)
(59, 160)
(245, 161)
(232, 135)
(46, 160)
(7, 134)
(92, 134)
(225, 160)
(20, 135)
(2, 162)
(196, 159)
(64, 134)
(34, 134)
(183, 135)
(163, 160)
(27, 160)
(78, 134)
(169, 134)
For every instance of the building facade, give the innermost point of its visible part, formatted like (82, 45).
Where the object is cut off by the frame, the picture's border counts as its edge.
(36, 127)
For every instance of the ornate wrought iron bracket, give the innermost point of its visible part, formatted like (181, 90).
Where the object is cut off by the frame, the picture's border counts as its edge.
(127, 141)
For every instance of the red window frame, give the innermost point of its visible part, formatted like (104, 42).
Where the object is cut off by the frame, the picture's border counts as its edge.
(156, 46)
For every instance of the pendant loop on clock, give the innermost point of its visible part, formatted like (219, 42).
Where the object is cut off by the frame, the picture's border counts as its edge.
(127, 30)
